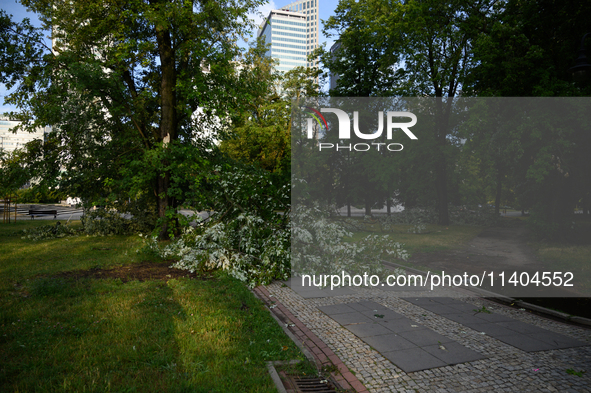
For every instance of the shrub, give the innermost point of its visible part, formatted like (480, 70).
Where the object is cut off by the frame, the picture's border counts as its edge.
(49, 232)
(323, 246)
(417, 229)
(258, 237)
(458, 215)
(248, 232)
(124, 220)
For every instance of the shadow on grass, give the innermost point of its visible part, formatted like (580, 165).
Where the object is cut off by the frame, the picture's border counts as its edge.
(154, 336)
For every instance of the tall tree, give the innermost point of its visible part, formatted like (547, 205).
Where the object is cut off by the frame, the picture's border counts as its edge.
(527, 53)
(436, 53)
(410, 48)
(261, 133)
(364, 60)
(121, 87)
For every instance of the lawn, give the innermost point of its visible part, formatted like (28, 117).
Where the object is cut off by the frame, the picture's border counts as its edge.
(572, 258)
(76, 332)
(434, 238)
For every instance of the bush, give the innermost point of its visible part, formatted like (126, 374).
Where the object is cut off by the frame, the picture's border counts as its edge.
(458, 215)
(545, 228)
(323, 246)
(49, 232)
(125, 219)
(248, 233)
(258, 237)
(417, 229)
(40, 194)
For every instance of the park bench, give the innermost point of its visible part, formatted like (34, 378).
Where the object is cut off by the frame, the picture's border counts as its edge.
(34, 213)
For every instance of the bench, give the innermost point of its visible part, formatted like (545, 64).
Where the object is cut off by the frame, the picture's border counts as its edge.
(34, 213)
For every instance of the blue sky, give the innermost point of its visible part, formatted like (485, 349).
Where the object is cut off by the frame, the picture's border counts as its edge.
(19, 12)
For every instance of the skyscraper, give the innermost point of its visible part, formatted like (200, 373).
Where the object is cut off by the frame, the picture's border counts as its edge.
(292, 32)
(10, 140)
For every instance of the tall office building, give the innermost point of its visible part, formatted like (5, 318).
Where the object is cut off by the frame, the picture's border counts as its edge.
(292, 32)
(10, 140)
(334, 52)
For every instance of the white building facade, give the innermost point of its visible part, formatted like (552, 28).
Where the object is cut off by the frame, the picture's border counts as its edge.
(292, 32)
(10, 141)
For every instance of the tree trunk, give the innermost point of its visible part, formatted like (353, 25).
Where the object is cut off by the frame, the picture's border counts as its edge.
(441, 187)
(167, 120)
(441, 162)
(499, 191)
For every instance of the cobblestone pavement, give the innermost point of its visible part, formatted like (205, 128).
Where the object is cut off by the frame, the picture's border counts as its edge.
(505, 369)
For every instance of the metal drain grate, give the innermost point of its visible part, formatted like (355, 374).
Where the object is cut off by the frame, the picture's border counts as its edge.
(313, 385)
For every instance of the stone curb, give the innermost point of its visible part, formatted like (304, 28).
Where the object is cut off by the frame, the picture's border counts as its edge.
(322, 354)
(510, 300)
(275, 377)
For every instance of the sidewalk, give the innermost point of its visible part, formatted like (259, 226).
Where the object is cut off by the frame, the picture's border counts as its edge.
(444, 341)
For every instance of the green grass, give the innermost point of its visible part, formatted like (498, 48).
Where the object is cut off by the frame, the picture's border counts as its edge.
(568, 258)
(207, 334)
(436, 238)
(25, 258)
(571, 255)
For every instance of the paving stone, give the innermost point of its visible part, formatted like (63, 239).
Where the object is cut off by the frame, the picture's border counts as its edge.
(463, 318)
(491, 329)
(414, 359)
(521, 327)
(419, 301)
(493, 317)
(453, 353)
(400, 325)
(389, 342)
(368, 329)
(359, 307)
(386, 315)
(338, 291)
(371, 305)
(336, 309)
(504, 368)
(440, 309)
(309, 293)
(424, 337)
(525, 343)
(556, 339)
(463, 307)
(351, 317)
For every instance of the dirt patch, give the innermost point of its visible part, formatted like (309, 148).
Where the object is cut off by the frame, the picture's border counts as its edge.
(139, 271)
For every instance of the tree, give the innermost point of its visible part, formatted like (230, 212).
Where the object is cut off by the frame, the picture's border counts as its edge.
(14, 173)
(121, 87)
(365, 60)
(527, 53)
(436, 51)
(412, 48)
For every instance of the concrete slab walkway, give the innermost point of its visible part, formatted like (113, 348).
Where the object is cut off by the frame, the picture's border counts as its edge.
(444, 341)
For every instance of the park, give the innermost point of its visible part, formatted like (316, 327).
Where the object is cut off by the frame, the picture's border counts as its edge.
(206, 202)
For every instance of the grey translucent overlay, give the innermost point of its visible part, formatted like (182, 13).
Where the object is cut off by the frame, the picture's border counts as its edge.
(351, 157)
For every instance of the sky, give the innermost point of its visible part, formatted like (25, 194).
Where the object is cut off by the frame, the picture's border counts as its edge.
(19, 12)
